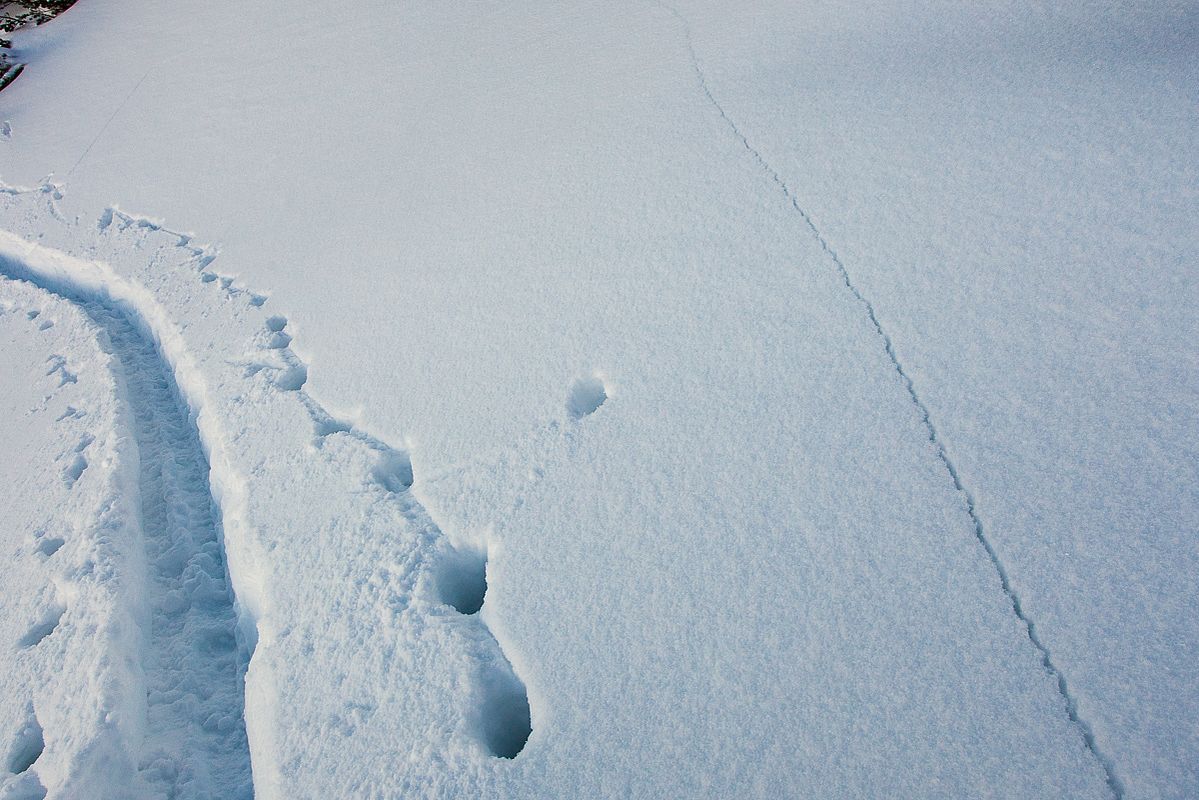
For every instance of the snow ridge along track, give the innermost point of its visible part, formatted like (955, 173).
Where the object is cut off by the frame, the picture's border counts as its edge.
(195, 744)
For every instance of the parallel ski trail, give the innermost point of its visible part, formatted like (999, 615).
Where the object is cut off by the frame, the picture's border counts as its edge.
(196, 738)
(195, 745)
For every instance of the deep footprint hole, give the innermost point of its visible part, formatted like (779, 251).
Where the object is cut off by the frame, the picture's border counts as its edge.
(505, 719)
(292, 378)
(278, 338)
(49, 545)
(74, 470)
(27, 746)
(393, 471)
(462, 580)
(586, 395)
(44, 627)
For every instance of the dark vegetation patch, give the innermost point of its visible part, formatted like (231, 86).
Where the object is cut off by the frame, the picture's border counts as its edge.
(14, 17)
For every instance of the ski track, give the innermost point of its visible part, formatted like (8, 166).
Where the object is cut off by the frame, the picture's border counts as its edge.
(189, 570)
(196, 738)
(195, 745)
(1084, 728)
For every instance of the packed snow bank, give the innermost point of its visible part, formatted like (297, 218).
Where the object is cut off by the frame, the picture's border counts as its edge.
(73, 715)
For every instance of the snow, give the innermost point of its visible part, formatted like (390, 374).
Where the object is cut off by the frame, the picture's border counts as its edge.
(613, 400)
(73, 695)
(1030, 240)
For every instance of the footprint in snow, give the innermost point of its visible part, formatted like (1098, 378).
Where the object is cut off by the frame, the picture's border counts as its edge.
(45, 626)
(48, 545)
(28, 744)
(586, 396)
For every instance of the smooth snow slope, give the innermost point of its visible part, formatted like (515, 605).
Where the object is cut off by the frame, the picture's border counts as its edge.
(748, 572)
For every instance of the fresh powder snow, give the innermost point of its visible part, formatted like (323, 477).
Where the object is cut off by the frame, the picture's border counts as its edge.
(602, 400)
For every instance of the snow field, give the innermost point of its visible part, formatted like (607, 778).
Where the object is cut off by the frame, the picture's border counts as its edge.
(779, 399)
(370, 641)
(1014, 189)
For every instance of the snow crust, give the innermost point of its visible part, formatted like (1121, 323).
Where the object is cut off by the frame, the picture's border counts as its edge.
(781, 400)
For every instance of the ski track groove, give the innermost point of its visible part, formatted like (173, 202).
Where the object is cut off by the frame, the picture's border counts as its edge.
(1113, 783)
(195, 745)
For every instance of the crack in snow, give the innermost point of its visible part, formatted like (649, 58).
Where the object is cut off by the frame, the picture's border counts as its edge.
(1072, 712)
(108, 121)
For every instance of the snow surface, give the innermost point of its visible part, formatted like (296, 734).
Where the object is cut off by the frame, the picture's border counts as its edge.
(73, 688)
(185, 662)
(778, 400)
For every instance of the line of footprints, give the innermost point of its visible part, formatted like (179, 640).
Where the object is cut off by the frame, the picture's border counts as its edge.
(28, 743)
(460, 575)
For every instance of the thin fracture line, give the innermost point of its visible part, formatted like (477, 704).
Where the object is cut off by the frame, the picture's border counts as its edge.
(108, 122)
(1084, 728)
